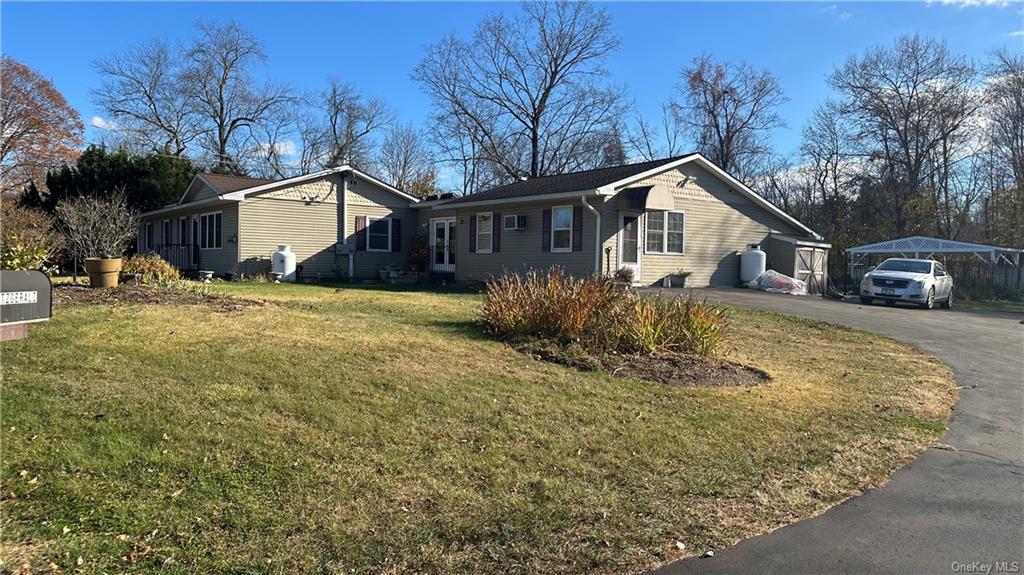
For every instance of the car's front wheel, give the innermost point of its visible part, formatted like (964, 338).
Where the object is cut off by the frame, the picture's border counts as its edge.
(866, 300)
(948, 304)
(929, 301)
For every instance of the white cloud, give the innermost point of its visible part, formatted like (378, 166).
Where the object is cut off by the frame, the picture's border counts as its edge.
(971, 3)
(834, 11)
(98, 122)
(284, 149)
(1017, 33)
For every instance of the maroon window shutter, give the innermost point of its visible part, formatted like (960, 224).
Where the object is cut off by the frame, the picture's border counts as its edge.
(545, 241)
(472, 233)
(577, 228)
(496, 233)
(360, 233)
(396, 235)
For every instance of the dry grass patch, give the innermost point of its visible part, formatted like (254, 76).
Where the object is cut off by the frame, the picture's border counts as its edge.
(377, 431)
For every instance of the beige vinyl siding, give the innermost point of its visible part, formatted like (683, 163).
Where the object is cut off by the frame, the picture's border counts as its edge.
(368, 200)
(521, 250)
(303, 217)
(219, 260)
(719, 223)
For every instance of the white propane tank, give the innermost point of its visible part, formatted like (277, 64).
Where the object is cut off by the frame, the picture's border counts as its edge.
(283, 263)
(752, 263)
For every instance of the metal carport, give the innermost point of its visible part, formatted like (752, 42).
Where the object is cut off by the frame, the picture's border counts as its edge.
(923, 247)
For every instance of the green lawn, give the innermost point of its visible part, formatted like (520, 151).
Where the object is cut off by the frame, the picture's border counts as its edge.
(993, 305)
(377, 431)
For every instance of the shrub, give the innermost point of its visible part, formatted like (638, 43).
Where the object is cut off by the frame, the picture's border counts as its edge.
(600, 315)
(28, 239)
(624, 275)
(150, 269)
(98, 227)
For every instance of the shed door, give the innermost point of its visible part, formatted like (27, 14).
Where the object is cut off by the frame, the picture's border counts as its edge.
(810, 268)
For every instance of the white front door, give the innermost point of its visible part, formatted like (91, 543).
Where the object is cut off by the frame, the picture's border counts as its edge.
(442, 245)
(629, 243)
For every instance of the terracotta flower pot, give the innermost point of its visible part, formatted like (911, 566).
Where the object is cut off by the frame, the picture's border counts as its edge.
(103, 272)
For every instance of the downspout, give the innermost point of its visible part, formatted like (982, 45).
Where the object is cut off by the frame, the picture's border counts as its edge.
(344, 225)
(597, 235)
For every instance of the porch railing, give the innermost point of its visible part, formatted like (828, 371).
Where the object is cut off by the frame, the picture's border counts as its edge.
(181, 256)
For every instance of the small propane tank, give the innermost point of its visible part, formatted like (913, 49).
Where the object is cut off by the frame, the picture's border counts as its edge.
(283, 263)
(752, 263)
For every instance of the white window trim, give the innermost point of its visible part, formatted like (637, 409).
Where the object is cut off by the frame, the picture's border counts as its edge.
(664, 235)
(515, 220)
(147, 237)
(490, 244)
(202, 236)
(572, 216)
(166, 232)
(370, 220)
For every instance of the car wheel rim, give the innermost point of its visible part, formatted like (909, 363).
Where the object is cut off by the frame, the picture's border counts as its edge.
(931, 298)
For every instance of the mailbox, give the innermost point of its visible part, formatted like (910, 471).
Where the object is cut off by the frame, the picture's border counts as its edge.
(25, 297)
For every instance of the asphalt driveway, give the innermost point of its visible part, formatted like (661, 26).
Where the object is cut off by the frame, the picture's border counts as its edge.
(958, 507)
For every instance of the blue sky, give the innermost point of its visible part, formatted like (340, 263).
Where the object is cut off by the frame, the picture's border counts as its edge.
(375, 46)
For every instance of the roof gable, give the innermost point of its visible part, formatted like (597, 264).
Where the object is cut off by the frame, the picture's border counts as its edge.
(208, 185)
(226, 184)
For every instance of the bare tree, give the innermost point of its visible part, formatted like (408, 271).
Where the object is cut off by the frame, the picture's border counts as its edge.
(524, 88)
(38, 129)
(143, 93)
(904, 102)
(224, 96)
(98, 226)
(404, 157)
(826, 149)
(457, 145)
(270, 147)
(730, 108)
(1004, 99)
(341, 127)
(654, 141)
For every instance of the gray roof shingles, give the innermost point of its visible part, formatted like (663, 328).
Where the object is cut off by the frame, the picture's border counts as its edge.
(561, 183)
(225, 184)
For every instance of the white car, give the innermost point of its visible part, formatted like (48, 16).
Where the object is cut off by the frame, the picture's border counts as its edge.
(921, 282)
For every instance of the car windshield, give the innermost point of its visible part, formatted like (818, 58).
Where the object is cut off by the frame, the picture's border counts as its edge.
(911, 266)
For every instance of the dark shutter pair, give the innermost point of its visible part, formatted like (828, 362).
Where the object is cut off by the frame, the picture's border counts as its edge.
(577, 230)
(396, 234)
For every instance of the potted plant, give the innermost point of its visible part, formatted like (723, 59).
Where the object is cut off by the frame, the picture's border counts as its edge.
(624, 276)
(98, 230)
(677, 279)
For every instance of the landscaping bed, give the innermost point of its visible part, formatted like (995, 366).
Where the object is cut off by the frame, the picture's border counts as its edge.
(133, 294)
(676, 369)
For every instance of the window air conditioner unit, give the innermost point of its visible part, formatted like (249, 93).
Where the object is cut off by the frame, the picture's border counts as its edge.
(514, 222)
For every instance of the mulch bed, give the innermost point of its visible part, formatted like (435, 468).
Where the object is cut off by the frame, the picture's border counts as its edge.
(131, 294)
(684, 370)
(681, 370)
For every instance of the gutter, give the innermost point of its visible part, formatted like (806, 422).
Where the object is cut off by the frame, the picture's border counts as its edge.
(516, 200)
(597, 234)
(185, 206)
